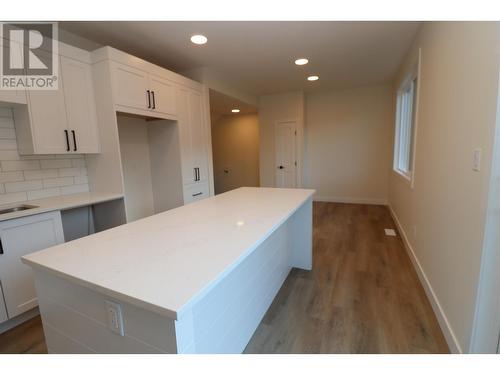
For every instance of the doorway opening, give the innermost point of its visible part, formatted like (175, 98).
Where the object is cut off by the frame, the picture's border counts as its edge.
(235, 143)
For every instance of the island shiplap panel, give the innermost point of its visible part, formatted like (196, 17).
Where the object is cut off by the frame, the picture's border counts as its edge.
(78, 314)
(25, 178)
(224, 320)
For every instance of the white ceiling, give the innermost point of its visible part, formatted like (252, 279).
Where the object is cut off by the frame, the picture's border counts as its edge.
(259, 56)
(221, 104)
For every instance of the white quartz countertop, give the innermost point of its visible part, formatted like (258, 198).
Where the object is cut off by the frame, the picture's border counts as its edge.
(166, 262)
(58, 203)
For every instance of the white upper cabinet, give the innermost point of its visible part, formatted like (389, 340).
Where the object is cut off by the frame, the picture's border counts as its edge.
(13, 96)
(80, 106)
(140, 92)
(60, 121)
(44, 128)
(130, 86)
(162, 95)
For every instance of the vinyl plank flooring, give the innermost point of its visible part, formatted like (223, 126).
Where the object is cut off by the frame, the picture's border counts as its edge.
(362, 296)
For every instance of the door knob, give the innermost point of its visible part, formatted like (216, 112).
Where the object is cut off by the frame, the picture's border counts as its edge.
(281, 167)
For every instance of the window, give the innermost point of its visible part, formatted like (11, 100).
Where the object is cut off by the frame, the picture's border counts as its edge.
(405, 127)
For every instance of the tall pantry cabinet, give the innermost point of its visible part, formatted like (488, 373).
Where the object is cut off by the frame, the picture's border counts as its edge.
(155, 118)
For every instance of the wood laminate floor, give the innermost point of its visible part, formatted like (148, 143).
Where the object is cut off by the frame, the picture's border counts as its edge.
(362, 296)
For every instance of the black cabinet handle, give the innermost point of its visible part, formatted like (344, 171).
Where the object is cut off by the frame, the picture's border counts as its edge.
(149, 98)
(74, 140)
(154, 101)
(1, 247)
(197, 194)
(67, 140)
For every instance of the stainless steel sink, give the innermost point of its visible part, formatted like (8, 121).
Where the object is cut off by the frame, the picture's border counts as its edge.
(21, 207)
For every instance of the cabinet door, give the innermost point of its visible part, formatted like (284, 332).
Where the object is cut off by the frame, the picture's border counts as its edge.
(188, 172)
(48, 119)
(130, 86)
(13, 96)
(18, 238)
(198, 135)
(162, 95)
(80, 106)
(3, 309)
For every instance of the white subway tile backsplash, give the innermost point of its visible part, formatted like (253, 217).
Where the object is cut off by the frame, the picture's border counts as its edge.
(11, 176)
(6, 122)
(44, 193)
(81, 180)
(10, 198)
(55, 163)
(8, 133)
(8, 144)
(73, 189)
(6, 112)
(78, 163)
(28, 177)
(14, 187)
(57, 182)
(66, 172)
(40, 174)
(20, 165)
(9, 155)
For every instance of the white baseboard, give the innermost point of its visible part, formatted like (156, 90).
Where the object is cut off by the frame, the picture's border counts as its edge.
(14, 322)
(353, 200)
(436, 306)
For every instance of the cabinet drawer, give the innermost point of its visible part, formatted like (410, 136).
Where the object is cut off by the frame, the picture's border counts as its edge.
(193, 193)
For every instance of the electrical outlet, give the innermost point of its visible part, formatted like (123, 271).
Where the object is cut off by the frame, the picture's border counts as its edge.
(115, 317)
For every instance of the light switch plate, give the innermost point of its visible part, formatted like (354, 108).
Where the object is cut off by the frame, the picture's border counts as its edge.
(115, 317)
(477, 160)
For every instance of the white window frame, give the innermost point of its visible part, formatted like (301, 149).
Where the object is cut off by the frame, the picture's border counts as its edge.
(413, 78)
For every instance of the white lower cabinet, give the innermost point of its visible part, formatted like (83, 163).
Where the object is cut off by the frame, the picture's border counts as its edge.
(20, 237)
(3, 309)
(196, 192)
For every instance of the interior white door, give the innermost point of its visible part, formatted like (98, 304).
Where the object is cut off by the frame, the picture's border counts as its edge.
(80, 106)
(162, 95)
(131, 87)
(18, 238)
(48, 119)
(285, 145)
(198, 136)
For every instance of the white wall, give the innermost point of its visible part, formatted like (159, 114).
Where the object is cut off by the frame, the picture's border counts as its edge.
(235, 145)
(25, 178)
(273, 108)
(136, 164)
(443, 216)
(348, 144)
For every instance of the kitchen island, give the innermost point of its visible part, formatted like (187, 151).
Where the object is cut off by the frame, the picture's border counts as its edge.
(195, 279)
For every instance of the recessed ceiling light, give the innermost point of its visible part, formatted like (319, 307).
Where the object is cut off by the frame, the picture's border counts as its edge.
(199, 39)
(236, 110)
(301, 61)
(312, 78)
